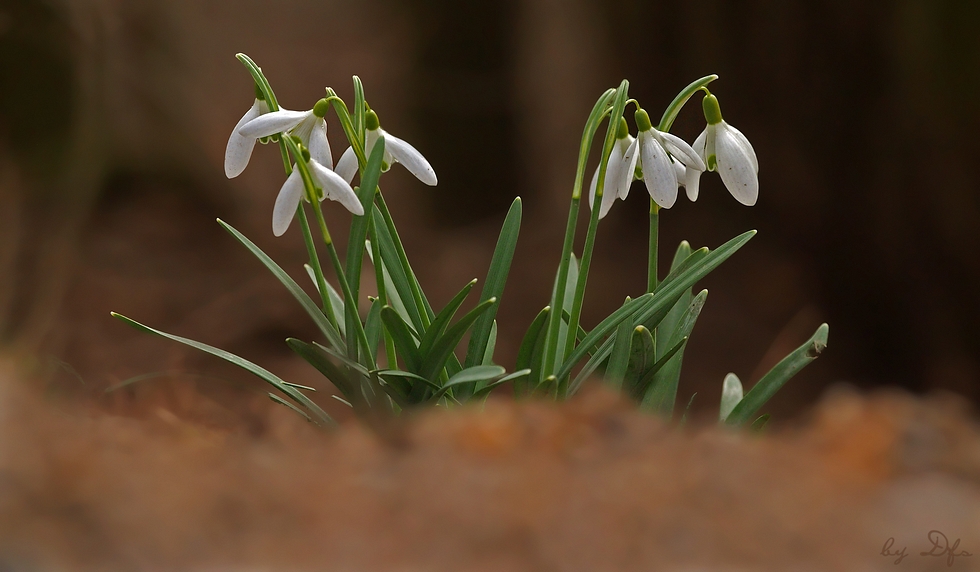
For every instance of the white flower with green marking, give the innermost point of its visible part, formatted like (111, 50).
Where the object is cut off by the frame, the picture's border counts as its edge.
(332, 185)
(726, 150)
(396, 151)
(619, 170)
(667, 161)
(309, 126)
(239, 148)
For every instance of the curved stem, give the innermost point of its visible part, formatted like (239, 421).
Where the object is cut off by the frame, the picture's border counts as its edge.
(654, 247)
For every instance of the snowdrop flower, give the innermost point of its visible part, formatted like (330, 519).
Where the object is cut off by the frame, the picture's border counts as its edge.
(666, 161)
(239, 149)
(309, 126)
(619, 170)
(396, 151)
(334, 187)
(726, 150)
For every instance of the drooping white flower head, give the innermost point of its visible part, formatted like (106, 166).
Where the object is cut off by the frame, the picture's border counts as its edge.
(666, 161)
(309, 126)
(726, 150)
(396, 151)
(619, 170)
(239, 148)
(334, 187)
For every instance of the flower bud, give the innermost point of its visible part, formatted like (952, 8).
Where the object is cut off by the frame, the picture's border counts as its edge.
(371, 120)
(642, 120)
(712, 112)
(321, 107)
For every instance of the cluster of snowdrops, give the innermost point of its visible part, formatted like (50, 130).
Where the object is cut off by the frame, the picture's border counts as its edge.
(397, 351)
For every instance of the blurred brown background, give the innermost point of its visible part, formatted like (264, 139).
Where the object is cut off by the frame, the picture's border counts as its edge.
(114, 116)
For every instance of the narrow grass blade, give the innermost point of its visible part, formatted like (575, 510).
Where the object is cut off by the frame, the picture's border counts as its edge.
(340, 378)
(314, 311)
(491, 345)
(262, 373)
(399, 280)
(662, 394)
(530, 352)
(604, 328)
(469, 376)
(619, 358)
(357, 118)
(439, 325)
(394, 300)
(373, 328)
(770, 383)
(437, 357)
(678, 103)
(731, 394)
(687, 409)
(359, 224)
(490, 386)
(336, 302)
(497, 274)
(412, 379)
(673, 317)
(403, 339)
(282, 401)
(645, 384)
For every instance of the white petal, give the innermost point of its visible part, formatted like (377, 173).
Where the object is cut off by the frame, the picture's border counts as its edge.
(658, 171)
(610, 191)
(592, 187)
(239, 149)
(681, 150)
(336, 188)
(287, 202)
(630, 156)
(736, 167)
(273, 122)
(371, 137)
(408, 156)
(698, 147)
(689, 178)
(746, 146)
(319, 146)
(347, 166)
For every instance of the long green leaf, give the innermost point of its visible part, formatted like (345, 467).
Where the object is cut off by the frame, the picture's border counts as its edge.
(394, 299)
(604, 328)
(484, 390)
(770, 383)
(358, 115)
(646, 382)
(436, 359)
(439, 325)
(400, 281)
(619, 358)
(314, 311)
(497, 274)
(670, 321)
(469, 376)
(372, 327)
(491, 345)
(359, 228)
(340, 378)
(403, 339)
(336, 302)
(262, 373)
(532, 346)
(662, 394)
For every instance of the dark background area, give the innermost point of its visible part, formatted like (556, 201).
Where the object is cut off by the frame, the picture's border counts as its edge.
(114, 116)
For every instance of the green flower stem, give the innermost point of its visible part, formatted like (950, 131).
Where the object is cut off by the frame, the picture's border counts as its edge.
(654, 250)
(425, 313)
(321, 282)
(675, 106)
(379, 276)
(351, 304)
(554, 317)
(576, 310)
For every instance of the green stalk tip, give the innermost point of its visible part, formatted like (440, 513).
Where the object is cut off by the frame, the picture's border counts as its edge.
(643, 122)
(624, 130)
(321, 107)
